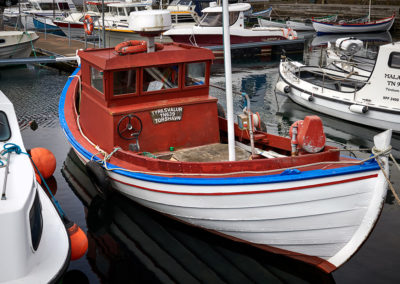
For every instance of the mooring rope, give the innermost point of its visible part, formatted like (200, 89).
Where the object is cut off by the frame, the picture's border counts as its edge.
(374, 150)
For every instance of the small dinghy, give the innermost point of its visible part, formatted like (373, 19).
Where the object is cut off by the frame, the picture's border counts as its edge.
(368, 98)
(34, 242)
(144, 124)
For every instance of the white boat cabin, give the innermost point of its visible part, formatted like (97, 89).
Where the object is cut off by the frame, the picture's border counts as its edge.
(212, 16)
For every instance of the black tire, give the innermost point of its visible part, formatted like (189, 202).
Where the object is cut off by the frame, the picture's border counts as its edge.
(221, 111)
(8, 3)
(99, 178)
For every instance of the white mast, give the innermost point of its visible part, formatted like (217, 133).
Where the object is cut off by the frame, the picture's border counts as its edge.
(228, 79)
(369, 11)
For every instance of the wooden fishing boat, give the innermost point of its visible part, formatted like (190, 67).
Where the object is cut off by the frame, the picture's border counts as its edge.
(34, 242)
(145, 121)
(307, 25)
(380, 25)
(369, 98)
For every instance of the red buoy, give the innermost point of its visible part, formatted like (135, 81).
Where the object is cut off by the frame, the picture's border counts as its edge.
(79, 241)
(44, 161)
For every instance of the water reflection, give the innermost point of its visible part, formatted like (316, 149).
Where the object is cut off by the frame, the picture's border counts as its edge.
(128, 241)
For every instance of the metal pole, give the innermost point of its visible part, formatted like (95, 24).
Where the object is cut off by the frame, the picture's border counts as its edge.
(84, 14)
(228, 80)
(69, 33)
(3, 195)
(104, 31)
(45, 29)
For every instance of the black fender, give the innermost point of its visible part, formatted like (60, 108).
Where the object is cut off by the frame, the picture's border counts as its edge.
(99, 178)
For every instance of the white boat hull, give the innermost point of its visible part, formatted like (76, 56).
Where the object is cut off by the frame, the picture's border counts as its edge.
(328, 218)
(269, 23)
(377, 26)
(17, 44)
(374, 103)
(298, 26)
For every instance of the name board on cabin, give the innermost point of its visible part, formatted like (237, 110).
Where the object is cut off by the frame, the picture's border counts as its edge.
(166, 114)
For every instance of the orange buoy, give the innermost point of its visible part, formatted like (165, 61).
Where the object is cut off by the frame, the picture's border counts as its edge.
(79, 241)
(44, 161)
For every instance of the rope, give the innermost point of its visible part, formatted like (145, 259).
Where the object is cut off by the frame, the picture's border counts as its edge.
(374, 150)
(33, 48)
(14, 148)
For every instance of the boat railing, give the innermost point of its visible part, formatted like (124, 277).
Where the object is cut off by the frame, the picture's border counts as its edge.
(328, 81)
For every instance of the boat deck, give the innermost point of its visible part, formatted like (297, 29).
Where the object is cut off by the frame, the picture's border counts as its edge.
(209, 153)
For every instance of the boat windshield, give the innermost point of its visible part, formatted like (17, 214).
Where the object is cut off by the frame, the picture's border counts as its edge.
(63, 6)
(47, 6)
(94, 8)
(181, 2)
(215, 19)
(5, 132)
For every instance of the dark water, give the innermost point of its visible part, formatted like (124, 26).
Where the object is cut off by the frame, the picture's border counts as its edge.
(130, 244)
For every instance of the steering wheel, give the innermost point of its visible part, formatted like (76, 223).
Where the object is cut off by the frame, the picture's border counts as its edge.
(129, 127)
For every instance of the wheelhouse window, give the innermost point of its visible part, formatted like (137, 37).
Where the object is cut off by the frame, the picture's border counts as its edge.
(394, 60)
(124, 82)
(121, 11)
(114, 11)
(63, 6)
(160, 78)
(195, 73)
(96, 77)
(215, 19)
(5, 131)
(36, 222)
(47, 6)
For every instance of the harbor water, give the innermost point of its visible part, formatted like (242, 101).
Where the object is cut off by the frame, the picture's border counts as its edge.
(131, 244)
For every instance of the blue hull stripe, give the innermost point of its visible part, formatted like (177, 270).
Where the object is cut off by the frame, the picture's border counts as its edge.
(262, 179)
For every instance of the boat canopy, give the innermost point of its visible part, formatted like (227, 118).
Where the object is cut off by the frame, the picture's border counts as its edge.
(237, 7)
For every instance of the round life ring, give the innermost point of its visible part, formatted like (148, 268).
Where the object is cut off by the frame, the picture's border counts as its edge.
(88, 24)
(135, 46)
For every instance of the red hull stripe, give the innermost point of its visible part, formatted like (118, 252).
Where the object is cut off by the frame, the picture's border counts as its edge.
(253, 192)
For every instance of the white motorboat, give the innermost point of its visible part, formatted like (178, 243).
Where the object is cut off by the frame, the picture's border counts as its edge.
(12, 13)
(185, 11)
(34, 242)
(208, 31)
(54, 9)
(370, 100)
(116, 21)
(16, 44)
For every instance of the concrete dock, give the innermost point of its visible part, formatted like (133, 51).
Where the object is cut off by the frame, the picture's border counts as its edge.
(54, 45)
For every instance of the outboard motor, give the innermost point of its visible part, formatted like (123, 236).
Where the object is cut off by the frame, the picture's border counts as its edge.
(349, 45)
(307, 135)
